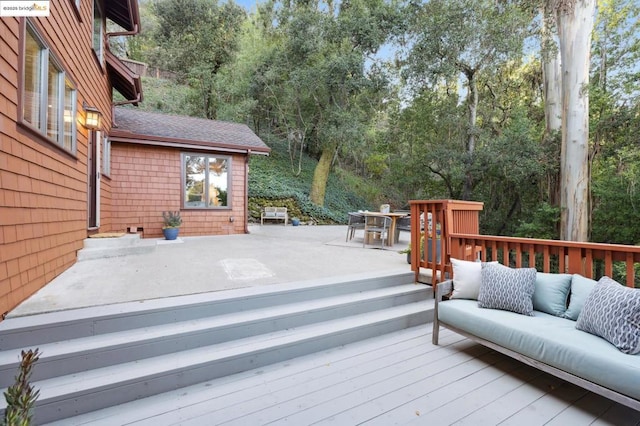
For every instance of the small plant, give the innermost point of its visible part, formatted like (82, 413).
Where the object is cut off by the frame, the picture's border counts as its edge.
(171, 219)
(408, 249)
(21, 397)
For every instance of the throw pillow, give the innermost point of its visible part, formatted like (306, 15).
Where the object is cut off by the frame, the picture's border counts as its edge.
(551, 293)
(507, 289)
(466, 279)
(580, 289)
(612, 311)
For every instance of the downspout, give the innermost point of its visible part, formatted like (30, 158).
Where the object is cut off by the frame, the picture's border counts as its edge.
(246, 192)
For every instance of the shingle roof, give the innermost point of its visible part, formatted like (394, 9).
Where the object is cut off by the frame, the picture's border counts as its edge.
(164, 129)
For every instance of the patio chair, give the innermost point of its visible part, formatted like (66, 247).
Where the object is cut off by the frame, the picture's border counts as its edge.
(403, 224)
(376, 226)
(356, 221)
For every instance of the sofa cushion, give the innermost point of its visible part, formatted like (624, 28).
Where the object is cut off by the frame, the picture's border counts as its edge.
(580, 289)
(466, 279)
(612, 312)
(549, 339)
(507, 288)
(551, 293)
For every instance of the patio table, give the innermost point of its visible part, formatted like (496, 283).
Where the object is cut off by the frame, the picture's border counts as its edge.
(391, 238)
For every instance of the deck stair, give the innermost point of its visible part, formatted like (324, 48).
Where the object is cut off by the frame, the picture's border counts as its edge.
(127, 244)
(99, 357)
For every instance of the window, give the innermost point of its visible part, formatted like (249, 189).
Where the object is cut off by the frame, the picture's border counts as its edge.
(48, 96)
(206, 181)
(106, 156)
(98, 31)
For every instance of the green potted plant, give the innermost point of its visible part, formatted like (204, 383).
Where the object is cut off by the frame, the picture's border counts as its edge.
(295, 221)
(172, 222)
(429, 249)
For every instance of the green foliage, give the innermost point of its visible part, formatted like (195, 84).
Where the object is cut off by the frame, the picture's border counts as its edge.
(195, 39)
(21, 396)
(541, 222)
(172, 219)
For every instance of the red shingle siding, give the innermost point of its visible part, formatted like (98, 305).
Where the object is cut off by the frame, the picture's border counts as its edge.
(147, 181)
(43, 191)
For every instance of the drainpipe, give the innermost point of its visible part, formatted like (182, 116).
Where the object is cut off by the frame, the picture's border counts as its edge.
(246, 192)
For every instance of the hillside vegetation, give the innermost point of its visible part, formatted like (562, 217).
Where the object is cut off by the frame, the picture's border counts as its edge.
(273, 182)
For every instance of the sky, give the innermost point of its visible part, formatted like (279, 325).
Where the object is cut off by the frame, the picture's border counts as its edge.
(247, 4)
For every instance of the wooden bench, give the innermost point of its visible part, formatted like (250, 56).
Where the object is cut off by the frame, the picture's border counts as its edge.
(274, 213)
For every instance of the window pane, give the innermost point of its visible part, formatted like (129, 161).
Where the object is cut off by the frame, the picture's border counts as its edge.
(194, 179)
(69, 117)
(53, 112)
(106, 156)
(217, 196)
(32, 81)
(97, 29)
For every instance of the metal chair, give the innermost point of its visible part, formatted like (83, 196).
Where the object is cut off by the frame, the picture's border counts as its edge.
(377, 226)
(403, 224)
(356, 221)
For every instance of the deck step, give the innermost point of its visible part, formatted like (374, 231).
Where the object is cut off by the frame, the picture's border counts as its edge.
(122, 355)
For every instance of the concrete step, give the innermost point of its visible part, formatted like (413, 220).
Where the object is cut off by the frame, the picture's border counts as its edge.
(128, 244)
(99, 357)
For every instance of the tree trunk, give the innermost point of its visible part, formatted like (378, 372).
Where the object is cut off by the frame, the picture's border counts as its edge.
(472, 100)
(321, 175)
(551, 74)
(552, 86)
(575, 24)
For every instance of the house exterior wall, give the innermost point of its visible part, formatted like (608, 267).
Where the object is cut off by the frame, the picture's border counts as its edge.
(43, 188)
(147, 181)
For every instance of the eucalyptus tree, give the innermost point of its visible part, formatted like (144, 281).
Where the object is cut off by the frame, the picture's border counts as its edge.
(456, 41)
(575, 25)
(319, 84)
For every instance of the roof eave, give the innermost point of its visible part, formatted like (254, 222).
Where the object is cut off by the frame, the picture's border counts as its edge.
(117, 135)
(125, 13)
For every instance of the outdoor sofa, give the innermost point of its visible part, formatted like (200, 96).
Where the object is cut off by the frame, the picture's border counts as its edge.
(580, 330)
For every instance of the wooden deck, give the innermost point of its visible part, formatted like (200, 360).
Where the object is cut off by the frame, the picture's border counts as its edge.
(399, 378)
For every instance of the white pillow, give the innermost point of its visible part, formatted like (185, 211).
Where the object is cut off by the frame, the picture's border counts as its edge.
(467, 277)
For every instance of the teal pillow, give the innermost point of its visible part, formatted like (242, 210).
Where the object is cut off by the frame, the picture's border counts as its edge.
(580, 289)
(551, 293)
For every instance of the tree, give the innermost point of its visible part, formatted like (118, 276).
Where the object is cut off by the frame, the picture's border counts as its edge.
(575, 24)
(319, 81)
(196, 38)
(456, 40)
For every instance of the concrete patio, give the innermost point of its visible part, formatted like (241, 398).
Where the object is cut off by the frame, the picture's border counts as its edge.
(269, 254)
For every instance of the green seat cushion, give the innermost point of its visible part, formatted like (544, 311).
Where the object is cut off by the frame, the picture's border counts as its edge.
(549, 339)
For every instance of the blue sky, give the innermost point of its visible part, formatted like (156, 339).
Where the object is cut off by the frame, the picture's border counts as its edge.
(247, 4)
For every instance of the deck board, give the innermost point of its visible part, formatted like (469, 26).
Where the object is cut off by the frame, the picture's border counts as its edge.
(400, 378)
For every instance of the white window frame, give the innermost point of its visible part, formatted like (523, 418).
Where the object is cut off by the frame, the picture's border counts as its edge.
(65, 134)
(206, 183)
(106, 156)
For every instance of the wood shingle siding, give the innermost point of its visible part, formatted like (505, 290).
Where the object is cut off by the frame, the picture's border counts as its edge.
(147, 181)
(43, 188)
